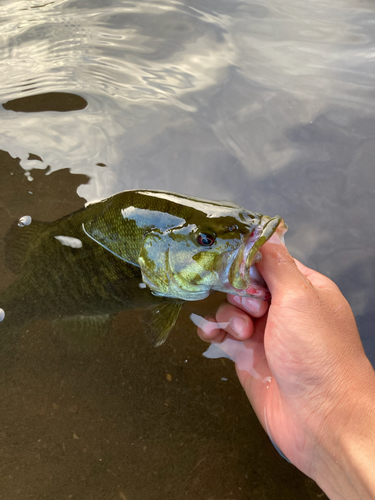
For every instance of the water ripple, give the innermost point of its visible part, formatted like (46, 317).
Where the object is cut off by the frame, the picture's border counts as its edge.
(121, 50)
(192, 91)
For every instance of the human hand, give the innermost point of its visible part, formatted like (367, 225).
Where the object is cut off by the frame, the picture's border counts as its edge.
(314, 375)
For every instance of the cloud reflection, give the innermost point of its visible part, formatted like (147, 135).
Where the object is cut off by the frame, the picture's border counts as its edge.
(270, 105)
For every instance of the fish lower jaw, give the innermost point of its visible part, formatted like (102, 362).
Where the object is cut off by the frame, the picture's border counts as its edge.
(174, 291)
(259, 293)
(253, 290)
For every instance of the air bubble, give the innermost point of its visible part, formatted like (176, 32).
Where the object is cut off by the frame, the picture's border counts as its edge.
(2, 314)
(26, 220)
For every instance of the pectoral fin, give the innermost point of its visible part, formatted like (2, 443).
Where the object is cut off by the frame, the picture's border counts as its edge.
(160, 320)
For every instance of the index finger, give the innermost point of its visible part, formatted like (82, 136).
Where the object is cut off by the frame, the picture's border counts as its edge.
(255, 307)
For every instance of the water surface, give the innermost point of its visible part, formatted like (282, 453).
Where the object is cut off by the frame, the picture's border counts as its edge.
(269, 104)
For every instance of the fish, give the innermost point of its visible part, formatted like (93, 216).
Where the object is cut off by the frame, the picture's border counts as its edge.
(137, 248)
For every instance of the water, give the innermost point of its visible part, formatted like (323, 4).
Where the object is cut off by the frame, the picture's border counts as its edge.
(269, 104)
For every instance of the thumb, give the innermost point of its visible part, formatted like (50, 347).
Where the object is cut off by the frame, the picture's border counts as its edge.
(279, 269)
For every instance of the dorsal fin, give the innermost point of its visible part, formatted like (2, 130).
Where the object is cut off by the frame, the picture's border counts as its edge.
(18, 241)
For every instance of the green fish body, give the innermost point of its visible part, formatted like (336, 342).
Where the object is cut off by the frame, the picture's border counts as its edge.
(142, 248)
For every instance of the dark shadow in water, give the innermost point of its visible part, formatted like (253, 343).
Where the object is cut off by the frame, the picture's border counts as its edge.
(118, 418)
(49, 101)
(47, 197)
(130, 421)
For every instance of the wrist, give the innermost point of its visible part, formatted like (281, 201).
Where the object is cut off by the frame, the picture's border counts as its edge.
(346, 465)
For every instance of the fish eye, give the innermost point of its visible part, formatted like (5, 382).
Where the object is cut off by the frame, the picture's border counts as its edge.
(206, 240)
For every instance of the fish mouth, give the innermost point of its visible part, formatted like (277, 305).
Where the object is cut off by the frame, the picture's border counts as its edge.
(243, 277)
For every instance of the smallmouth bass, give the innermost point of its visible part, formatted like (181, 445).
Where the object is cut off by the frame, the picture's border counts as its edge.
(146, 248)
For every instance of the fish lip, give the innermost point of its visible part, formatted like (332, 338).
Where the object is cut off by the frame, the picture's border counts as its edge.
(260, 234)
(256, 288)
(240, 280)
(236, 269)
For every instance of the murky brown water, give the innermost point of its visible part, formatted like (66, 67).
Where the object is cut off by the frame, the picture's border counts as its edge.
(270, 106)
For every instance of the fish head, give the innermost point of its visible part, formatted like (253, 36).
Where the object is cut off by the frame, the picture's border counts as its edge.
(208, 253)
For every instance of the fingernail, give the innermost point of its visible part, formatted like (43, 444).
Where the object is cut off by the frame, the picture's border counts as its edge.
(251, 305)
(277, 238)
(237, 299)
(237, 324)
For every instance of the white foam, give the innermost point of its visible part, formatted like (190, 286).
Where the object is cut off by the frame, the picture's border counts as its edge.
(69, 241)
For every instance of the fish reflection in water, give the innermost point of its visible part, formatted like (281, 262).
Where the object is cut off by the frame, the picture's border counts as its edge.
(149, 249)
(241, 352)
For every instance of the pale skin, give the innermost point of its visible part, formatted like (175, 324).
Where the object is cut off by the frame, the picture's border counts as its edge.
(319, 406)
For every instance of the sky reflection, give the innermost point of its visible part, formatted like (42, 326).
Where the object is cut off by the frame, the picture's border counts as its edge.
(270, 105)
